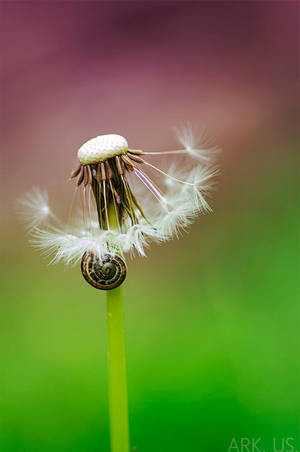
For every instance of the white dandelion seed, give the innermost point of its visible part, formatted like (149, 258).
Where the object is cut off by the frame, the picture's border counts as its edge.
(110, 216)
(33, 208)
(196, 144)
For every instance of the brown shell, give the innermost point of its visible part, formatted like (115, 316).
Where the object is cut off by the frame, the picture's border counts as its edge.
(106, 273)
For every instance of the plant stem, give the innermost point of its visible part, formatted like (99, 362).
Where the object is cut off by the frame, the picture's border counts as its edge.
(118, 405)
(117, 382)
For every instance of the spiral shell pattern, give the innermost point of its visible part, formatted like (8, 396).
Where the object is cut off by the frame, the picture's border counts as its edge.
(106, 273)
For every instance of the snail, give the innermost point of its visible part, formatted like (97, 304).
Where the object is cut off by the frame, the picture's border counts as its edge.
(106, 273)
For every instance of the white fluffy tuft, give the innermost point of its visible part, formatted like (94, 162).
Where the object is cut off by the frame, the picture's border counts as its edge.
(69, 248)
(33, 208)
(197, 143)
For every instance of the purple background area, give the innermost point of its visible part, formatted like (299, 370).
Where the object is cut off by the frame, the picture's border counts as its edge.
(73, 70)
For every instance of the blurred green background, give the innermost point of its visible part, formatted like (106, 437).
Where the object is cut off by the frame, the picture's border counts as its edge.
(212, 319)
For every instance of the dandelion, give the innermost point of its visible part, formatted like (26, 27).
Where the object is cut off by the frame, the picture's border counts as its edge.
(112, 217)
(118, 206)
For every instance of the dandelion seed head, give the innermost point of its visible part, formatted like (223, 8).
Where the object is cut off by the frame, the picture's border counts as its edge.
(102, 148)
(112, 180)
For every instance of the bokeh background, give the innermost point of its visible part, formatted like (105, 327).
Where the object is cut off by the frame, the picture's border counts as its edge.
(212, 320)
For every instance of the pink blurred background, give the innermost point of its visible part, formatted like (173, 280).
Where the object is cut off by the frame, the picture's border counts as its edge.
(73, 70)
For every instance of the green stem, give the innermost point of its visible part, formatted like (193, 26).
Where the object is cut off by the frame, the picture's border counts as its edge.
(118, 405)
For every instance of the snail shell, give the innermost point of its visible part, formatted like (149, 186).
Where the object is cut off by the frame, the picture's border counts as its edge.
(106, 273)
